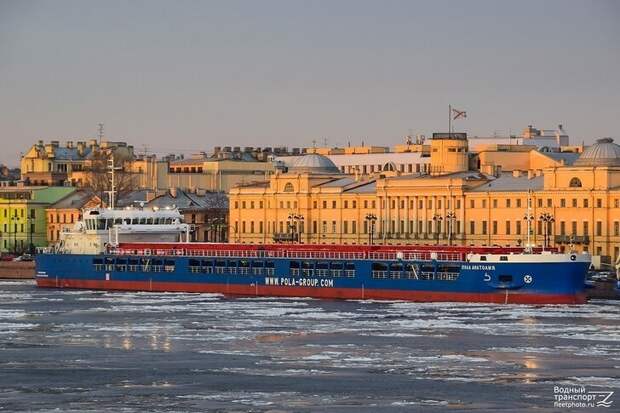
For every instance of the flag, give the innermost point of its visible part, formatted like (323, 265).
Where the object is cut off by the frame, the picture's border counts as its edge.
(457, 114)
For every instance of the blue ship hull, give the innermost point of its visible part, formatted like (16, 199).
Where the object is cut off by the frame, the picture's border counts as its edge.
(536, 282)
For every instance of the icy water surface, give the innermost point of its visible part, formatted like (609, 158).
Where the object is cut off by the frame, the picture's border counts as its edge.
(80, 351)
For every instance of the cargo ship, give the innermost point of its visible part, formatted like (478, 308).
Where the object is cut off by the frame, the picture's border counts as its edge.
(149, 250)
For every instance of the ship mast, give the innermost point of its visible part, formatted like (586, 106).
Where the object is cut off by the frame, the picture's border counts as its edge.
(111, 169)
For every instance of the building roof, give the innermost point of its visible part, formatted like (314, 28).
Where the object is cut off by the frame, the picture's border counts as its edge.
(314, 163)
(507, 182)
(603, 153)
(567, 157)
(77, 200)
(187, 201)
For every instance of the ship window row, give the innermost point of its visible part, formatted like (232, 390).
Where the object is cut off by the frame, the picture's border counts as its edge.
(133, 265)
(234, 267)
(322, 269)
(413, 271)
(106, 223)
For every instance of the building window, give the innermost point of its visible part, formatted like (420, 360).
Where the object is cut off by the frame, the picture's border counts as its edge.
(507, 227)
(574, 203)
(574, 228)
(599, 203)
(324, 227)
(346, 204)
(420, 204)
(484, 203)
(472, 227)
(562, 228)
(354, 204)
(508, 203)
(495, 203)
(288, 187)
(484, 228)
(494, 227)
(539, 202)
(586, 228)
(353, 227)
(458, 204)
(251, 227)
(575, 183)
(334, 227)
(345, 227)
(599, 228)
(334, 204)
(550, 203)
(365, 204)
(518, 202)
(472, 203)
(586, 203)
(518, 232)
(365, 227)
(243, 226)
(260, 227)
(562, 203)
(616, 228)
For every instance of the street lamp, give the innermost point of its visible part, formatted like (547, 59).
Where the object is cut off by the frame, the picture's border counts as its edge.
(371, 219)
(437, 219)
(450, 217)
(547, 220)
(529, 217)
(293, 222)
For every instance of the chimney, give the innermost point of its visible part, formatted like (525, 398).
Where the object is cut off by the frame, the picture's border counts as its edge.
(80, 148)
(54, 144)
(498, 170)
(173, 192)
(516, 173)
(69, 144)
(530, 174)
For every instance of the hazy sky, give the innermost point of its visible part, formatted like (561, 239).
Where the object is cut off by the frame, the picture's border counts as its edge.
(181, 76)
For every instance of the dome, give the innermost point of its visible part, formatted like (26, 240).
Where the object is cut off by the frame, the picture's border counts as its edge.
(603, 153)
(314, 163)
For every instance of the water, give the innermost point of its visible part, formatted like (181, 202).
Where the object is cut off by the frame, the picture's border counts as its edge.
(81, 351)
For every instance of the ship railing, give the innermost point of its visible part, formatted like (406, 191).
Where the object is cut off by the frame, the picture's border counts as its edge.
(426, 275)
(349, 273)
(194, 268)
(244, 270)
(270, 271)
(219, 270)
(333, 255)
(379, 274)
(336, 273)
(294, 271)
(257, 271)
(447, 276)
(322, 272)
(411, 275)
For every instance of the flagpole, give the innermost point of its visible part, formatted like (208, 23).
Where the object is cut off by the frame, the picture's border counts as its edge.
(449, 121)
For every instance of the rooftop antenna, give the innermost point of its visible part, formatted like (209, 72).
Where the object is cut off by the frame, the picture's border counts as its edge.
(100, 133)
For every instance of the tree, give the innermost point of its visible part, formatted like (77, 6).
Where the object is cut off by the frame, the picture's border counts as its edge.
(99, 179)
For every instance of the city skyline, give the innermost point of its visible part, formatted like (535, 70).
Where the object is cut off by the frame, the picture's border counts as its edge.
(184, 79)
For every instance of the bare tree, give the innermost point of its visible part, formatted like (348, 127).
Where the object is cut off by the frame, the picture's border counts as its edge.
(99, 177)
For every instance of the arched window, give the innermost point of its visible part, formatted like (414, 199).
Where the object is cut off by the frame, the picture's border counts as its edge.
(288, 187)
(389, 167)
(575, 183)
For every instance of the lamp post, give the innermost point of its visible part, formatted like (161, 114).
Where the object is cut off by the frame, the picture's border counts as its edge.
(293, 222)
(529, 217)
(371, 219)
(437, 220)
(450, 218)
(547, 219)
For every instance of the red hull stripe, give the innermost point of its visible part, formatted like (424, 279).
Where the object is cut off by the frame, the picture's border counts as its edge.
(503, 297)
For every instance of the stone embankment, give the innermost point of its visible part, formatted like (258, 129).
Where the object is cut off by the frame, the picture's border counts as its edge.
(11, 270)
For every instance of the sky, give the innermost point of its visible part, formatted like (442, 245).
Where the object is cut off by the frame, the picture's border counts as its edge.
(184, 76)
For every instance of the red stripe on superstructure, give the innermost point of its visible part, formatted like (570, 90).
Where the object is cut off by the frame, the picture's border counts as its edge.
(325, 292)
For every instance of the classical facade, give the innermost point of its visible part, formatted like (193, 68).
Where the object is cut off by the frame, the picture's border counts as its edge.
(574, 200)
(55, 164)
(23, 222)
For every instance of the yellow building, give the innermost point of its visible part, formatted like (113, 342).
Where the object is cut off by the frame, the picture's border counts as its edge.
(53, 164)
(572, 202)
(64, 214)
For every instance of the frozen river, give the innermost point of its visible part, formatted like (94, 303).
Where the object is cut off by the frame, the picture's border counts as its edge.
(81, 351)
